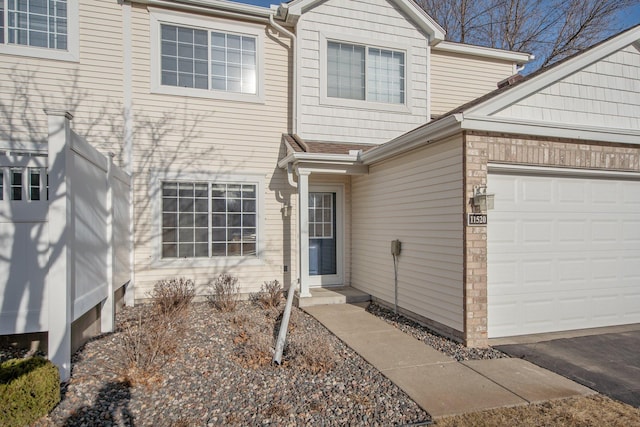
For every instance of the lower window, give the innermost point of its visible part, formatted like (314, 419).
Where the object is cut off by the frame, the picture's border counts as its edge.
(208, 219)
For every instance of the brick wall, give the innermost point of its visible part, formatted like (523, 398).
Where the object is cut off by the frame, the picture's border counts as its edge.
(482, 148)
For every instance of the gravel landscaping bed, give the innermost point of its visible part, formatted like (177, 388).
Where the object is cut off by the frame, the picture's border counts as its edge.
(214, 378)
(440, 343)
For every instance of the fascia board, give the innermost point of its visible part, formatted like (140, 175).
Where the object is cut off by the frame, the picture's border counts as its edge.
(555, 74)
(484, 52)
(416, 138)
(549, 129)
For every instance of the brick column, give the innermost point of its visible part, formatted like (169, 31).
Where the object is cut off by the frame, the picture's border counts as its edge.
(475, 246)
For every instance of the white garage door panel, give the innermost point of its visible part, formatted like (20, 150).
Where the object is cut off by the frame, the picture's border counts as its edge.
(563, 253)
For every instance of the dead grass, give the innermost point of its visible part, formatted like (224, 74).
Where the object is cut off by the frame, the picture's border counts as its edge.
(589, 411)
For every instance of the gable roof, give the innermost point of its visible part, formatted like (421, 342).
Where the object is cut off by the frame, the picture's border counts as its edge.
(294, 9)
(477, 114)
(503, 97)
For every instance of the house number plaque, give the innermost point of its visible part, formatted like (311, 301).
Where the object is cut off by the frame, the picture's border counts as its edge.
(477, 220)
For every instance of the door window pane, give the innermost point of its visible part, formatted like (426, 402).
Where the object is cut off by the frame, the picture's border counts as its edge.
(321, 215)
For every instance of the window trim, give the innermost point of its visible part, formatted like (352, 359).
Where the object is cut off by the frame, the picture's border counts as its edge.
(71, 54)
(358, 103)
(158, 17)
(155, 194)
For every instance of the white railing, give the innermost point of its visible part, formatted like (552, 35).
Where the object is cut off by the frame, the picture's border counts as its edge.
(64, 236)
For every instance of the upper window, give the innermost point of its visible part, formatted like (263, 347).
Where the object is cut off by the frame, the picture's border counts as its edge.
(39, 23)
(231, 67)
(365, 73)
(44, 24)
(206, 57)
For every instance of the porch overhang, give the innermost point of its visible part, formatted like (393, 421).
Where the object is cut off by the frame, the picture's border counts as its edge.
(304, 158)
(323, 157)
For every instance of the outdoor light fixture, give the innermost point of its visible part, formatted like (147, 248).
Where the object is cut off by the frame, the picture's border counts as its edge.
(481, 199)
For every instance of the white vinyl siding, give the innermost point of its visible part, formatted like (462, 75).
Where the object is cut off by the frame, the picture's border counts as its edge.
(562, 253)
(374, 24)
(457, 79)
(416, 198)
(605, 94)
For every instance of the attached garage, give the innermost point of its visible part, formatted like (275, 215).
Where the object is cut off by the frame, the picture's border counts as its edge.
(562, 250)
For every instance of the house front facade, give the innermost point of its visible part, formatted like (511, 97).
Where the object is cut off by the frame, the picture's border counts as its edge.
(296, 142)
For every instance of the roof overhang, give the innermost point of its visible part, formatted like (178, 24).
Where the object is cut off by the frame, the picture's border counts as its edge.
(519, 58)
(291, 12)
(423, 135)
(346, 164)
(223, 8)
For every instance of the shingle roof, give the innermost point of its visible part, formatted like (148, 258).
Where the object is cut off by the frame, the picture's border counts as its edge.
(300, 145)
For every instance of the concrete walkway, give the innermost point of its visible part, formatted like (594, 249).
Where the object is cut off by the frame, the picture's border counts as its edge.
(436, 382)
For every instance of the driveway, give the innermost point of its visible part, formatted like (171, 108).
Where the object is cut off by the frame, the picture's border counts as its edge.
(608, 363)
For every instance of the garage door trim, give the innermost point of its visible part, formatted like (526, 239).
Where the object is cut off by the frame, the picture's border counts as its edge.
(507, 168)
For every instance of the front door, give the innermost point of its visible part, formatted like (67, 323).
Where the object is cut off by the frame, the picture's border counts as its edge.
(325, 236)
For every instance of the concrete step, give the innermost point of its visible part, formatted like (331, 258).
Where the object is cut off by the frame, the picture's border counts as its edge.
(337, 295)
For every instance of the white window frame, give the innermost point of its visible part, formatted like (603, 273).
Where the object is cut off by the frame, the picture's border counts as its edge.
(159, 17)
(155, 194)
(71, 54)
(359, 103)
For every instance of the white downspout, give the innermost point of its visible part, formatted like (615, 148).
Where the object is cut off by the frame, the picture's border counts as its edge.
(290, 176)
(294, 74)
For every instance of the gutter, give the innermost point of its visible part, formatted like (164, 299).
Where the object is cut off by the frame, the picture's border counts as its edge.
(352, 157)
(424, 135)
(215, 7)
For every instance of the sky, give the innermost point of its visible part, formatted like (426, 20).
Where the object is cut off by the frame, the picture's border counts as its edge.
(630, 17)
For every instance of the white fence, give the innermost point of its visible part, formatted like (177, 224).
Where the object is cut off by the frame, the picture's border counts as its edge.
(64, 236)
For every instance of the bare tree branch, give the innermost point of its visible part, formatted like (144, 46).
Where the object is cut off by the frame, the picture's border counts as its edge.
(550, 29)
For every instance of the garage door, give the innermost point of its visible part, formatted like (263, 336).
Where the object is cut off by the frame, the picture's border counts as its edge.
(563, 253)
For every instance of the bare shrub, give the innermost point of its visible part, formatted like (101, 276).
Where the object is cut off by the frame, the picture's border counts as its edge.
(270, 294)
(224, 292)
(145, 345)
(311, 351)
(171, 297)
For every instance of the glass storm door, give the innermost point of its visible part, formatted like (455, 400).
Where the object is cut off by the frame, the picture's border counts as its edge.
(324, 244)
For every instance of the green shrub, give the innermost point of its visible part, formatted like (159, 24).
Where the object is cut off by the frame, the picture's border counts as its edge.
(29, 389)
